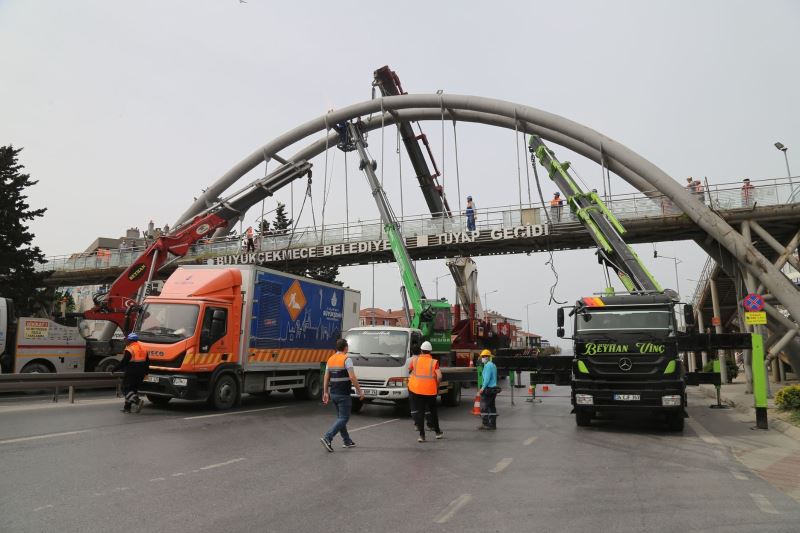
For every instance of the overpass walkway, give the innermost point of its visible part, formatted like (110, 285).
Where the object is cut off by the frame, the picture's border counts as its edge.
(775, 203)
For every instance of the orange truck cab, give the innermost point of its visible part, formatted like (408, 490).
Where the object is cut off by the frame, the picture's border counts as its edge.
(217, 332)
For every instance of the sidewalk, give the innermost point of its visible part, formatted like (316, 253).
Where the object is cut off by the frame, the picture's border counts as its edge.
(733, 395)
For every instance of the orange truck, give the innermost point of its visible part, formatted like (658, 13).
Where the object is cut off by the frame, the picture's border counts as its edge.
(217, 332)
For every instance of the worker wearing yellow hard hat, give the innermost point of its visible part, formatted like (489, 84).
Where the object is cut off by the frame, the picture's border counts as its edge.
(488, 392)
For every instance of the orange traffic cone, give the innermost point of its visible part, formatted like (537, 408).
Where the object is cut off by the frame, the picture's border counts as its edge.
(531, 393)
(476, 407)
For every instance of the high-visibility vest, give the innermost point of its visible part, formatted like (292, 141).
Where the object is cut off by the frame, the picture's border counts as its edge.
(138, 354)
(423, 376)
(339, 378)
(249, 233)
(555, 202)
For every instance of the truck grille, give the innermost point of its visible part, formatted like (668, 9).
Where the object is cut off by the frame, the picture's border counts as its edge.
(642, 365)
(371, 382)
(172, 363)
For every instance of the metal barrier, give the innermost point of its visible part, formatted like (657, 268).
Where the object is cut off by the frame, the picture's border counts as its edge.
(71, 382)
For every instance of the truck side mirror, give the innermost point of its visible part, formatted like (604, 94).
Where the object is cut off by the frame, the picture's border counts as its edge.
(217, 327)
(560, 318)
(560, 332)
(688, 314)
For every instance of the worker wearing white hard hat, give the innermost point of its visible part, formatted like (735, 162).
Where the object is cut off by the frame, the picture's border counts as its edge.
(424, 377)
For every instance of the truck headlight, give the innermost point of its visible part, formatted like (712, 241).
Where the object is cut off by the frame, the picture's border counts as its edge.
(671, 401)
(584, 399)
(180, 382)
(397, 382)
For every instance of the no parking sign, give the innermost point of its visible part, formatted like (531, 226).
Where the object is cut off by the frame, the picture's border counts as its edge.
(753, 302)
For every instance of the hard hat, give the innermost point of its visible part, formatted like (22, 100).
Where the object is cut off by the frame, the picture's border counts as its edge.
(486, 353)
(557, 193)
(469, 197)
(426, 347)
(132, 337)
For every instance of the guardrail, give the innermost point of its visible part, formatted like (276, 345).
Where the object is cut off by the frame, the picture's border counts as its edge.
(624, 206)
(56, 382)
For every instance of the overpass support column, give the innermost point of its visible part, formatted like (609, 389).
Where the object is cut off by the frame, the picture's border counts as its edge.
(723, 369)
(701, 327)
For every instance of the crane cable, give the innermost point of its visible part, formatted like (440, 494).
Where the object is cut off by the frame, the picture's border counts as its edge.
(550, 262)
(458, 177)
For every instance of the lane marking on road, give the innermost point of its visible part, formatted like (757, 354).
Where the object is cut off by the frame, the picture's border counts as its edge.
(763, 503)
(178, 474)
(452, 508)
(121, 489)
(234, 413)
(529, 441)
(47, 436)
(226, 463)
(157, 479)
(43, 507)
(739, 475)
(501, 465)
(373, 425)
(704, 434)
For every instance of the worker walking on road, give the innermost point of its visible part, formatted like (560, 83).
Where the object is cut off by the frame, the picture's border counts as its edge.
(339, 375)
(488, 392)
(135, 364)
(423, 387)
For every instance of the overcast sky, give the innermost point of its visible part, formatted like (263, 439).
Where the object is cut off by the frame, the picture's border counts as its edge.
(126, 110)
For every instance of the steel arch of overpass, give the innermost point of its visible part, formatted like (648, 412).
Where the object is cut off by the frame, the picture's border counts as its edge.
(630, 166)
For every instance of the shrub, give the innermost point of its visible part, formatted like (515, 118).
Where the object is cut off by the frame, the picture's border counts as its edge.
(788, 397)
(733, 370)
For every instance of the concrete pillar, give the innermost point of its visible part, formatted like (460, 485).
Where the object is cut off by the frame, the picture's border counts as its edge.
(723, 370)
(701, 327)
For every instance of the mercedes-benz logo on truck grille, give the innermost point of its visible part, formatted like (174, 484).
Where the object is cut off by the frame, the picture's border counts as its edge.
(625, 364)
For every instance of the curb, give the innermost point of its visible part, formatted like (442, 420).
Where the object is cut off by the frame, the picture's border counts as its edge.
(774, 423)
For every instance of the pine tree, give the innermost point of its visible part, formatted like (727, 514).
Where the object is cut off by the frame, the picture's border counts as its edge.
(263, 227)
(18, 279)
(282, 226)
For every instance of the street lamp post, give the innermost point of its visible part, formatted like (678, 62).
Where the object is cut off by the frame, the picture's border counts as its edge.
(676, 260)
(783, 148)
(436, 280)
(486, 298)
(527, 317)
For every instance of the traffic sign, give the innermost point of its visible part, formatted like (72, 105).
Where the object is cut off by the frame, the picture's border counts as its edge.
(755, 318)
(753, 302)
(716, 321)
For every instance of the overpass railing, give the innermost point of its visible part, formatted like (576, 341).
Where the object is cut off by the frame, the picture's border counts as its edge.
(624, 206)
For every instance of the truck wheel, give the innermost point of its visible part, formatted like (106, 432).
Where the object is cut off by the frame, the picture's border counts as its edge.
(106, 365)
(357, 405)
(312, 389)
(158, 401)
(675, 421)
(453, 396)
(224, 393)
(583, 418)
(37, 368)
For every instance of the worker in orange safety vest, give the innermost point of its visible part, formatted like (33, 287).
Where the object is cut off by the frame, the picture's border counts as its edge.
(135, 364)
(423, 387)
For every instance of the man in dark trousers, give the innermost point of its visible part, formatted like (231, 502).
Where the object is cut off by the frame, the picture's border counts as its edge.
(339, 375)
(424, 377)
(135, 364)
(488, 392)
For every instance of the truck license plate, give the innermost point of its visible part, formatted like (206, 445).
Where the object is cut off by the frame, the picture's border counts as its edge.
(627, 397)
(369, 392)
(151, 379)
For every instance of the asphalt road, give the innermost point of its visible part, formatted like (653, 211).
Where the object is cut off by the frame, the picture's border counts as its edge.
(87, 467)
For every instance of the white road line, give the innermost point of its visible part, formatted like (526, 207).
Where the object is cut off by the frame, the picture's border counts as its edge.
(157, 479)
(529, 441)
(121, 489)
(234, 413)
(452, 509)
(48, 436)
(501, 465)
(178, 474)
(763, 503)
(373, 425)
(704, 434)
(42, 508)
(738, 475)
(226, 463)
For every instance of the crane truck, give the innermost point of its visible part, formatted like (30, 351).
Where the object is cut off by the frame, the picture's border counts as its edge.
(32, 344)
(381, 354)
(625, 345)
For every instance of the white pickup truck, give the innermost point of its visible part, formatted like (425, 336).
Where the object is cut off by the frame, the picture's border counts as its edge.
(381, 356)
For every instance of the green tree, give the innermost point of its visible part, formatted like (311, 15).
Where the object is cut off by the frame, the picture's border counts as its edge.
(18, 279)
(282, 226)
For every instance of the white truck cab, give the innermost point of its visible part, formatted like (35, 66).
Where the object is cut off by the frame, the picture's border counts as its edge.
(381, 356)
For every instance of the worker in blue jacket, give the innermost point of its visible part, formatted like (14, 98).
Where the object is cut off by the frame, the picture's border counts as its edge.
(488, 392)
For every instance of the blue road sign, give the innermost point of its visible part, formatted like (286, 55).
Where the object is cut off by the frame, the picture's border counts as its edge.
(753, 302)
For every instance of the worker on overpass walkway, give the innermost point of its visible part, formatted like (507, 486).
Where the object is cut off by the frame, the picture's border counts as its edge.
(423, 387)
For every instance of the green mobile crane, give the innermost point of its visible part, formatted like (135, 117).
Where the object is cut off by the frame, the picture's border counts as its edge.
(431, 316)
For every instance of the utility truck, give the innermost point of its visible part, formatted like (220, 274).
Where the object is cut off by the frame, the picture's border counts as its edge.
(380, 354)
(217, 332)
